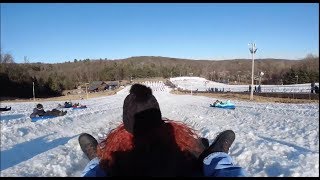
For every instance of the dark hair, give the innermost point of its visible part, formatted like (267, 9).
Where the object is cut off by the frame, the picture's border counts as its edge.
(169, 150)
(39, 106)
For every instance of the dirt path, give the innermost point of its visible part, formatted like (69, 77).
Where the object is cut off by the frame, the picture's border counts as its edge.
(212, 95)
(256, 98)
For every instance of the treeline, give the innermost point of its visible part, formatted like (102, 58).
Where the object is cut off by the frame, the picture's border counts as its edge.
(299, 76)
(52, 79)
(304, 71)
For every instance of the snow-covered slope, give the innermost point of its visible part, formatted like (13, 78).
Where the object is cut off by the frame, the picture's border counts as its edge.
(202, 84)
(272, 139)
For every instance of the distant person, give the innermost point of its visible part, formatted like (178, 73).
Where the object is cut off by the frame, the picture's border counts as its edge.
(38, 111)
(312, 87)
(316, 88)
(259, 88)
(147, 145)
(217, 102)
(67, 104)
(5, 109)
(249, 88)
(76, 105)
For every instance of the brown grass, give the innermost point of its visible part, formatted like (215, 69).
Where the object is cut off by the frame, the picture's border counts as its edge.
(83, 95)
(243, 97)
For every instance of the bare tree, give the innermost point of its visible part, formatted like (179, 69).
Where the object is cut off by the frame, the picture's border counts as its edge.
(310, 56)
(1, 55)
(26, 60)
(6, 58)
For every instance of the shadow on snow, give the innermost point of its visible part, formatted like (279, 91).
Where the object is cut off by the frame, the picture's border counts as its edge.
(11, 117)
(27, 150)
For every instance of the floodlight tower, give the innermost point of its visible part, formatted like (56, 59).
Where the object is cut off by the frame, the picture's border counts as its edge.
(253, 50)
(260, 75)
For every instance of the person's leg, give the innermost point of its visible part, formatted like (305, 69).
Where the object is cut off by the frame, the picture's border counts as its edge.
(215, 159)
(48, 113)
(89, 145)
(91, 165)
(220, 164)
(55, 112)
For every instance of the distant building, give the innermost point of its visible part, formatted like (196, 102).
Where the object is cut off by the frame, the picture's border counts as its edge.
(96, 86)
(111, 85)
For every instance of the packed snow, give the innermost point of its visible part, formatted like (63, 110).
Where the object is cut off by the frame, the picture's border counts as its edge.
(202, 84)
(272, 139)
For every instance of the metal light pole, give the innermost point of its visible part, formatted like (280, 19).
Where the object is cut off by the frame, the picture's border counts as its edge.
(87, 90)
(191, 82)
(253, 50)
(34, 97)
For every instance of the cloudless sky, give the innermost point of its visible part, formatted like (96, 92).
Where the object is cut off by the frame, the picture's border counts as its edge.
(59, 32)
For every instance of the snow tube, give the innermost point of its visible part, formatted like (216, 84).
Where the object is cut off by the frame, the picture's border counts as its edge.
(5, 109)
(226, 105)
(34, 119)
(68, 106)
(80, 107)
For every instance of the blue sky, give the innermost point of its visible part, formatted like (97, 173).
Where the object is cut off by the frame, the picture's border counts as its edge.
(55, 32)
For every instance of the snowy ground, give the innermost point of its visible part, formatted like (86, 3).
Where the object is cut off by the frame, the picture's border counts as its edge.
(272, 139)
(202, 84)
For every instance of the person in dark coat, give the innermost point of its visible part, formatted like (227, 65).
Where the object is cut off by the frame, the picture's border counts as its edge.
(5, 109)
(216, 102)
(316, 89)
(67, 104)
(38, 111)
(313, 87)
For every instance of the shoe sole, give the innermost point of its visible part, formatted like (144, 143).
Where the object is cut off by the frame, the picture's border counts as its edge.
(209, 150)
(221, 136)
(86, 139)
(205, 142)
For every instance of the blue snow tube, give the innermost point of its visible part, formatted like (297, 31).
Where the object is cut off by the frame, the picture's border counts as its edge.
(226, 105)
(34, 119)
(68, 106)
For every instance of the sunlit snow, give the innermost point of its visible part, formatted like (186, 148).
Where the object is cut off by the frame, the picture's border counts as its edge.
(272, 139)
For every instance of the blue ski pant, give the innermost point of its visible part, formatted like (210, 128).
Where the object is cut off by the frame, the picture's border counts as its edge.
(218, 164)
